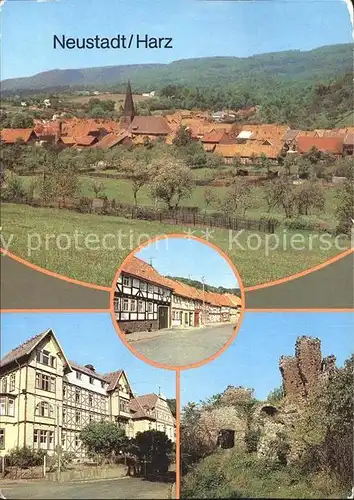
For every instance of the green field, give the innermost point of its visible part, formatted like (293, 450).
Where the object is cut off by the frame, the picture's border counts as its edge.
(121, 190)
(24, 224)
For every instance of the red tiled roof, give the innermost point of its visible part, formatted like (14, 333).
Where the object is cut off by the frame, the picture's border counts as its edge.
(330, 145)
(214, 136)
(110, 140)
(85, 140)
(141, 269)
(247, 150)
(149, 125)
(11, 135)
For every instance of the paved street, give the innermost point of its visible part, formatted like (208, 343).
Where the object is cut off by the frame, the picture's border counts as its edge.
(113, 488)
(179, 347)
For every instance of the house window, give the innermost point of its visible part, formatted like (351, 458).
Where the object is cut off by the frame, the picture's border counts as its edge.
(45, 382)
(90, 400)
(2, 439)
(4, 384)
(77, 417)
(77, 396)
(91, 418)
(141, 306)
(143, 285)
(126, 281)
(63, 439)
(103, 384)
(44, 409)
(7, 406)
(43, 439)
(150, 307)
(116, 304)
(64, 416)
(45, 358)
(77, 441)
(92, 380)
(150, 288)
(78, 375)
(125, 305)
(133, 305)
(12, 382)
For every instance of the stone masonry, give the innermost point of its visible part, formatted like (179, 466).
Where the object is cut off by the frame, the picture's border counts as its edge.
(303, 372)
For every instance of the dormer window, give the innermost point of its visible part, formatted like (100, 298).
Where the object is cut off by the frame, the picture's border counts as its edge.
(126, 281)
(92, 380)
(78, 375)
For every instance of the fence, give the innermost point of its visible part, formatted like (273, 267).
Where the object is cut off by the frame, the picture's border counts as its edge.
(183, 216)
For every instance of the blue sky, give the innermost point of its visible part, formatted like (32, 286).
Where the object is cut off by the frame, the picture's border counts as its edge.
(88, 338)
(252, 360)
(189, 258)
(198, 27)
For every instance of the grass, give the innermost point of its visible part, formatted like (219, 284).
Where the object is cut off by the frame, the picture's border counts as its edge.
(121, 190)
(24, 224)
(117, 98)
(232, 474)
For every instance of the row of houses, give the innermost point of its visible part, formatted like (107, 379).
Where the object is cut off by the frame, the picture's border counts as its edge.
(228, 140)
(46, 400)
(144, 300)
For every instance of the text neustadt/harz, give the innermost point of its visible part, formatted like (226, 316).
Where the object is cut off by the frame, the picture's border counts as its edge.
(117, 42)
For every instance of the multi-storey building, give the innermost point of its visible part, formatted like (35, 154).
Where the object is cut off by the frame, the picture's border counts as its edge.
(46, 400)
(142, 298)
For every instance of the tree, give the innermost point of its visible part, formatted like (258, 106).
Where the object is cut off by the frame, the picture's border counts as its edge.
(209, 198)
(138, 170)
(309, 195)
(172, 181)
(182, 138)
(21, 120)
(276, 395)
(155, 447)
(13, 188)
(97, 188)
(237, 198)
(103, 438)
(264, 162)
(281, 193)
(345, 207)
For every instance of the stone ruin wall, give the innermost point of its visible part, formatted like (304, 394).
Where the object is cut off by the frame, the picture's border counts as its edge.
(306, 370)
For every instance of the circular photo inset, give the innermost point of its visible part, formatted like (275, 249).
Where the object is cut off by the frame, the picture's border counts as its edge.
(177, 301)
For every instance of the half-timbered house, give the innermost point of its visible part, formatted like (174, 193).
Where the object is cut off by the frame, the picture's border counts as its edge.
(142, 298)
(46, 400)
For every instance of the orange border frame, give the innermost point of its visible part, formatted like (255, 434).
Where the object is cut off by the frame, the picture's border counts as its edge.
(123, 336)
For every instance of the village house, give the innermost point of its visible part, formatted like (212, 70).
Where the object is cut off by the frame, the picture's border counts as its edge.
(151, 412)
(13, 135)
(46, 400)
(332, 145)
(142, 298)
(247, 152)
(185, 312)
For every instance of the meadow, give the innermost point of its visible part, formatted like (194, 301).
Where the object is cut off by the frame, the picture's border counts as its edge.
(121, 191)
(97, 264)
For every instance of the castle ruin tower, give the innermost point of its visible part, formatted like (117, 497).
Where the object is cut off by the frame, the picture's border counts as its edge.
(128, 110)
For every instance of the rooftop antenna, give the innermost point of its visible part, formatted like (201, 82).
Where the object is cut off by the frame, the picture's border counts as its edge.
(150, 261)
(159, 391)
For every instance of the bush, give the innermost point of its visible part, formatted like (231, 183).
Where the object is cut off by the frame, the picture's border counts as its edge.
(13, 188)
(25, 457)
(84, 205)
(300, 224)
(252, 439)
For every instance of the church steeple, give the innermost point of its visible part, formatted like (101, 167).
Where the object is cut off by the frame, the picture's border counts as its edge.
(128, 110)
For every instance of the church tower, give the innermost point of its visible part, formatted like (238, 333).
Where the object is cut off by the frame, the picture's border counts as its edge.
(128, 110)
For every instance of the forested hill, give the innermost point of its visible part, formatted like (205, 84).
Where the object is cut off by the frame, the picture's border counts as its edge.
(208, 288)
(321, 64)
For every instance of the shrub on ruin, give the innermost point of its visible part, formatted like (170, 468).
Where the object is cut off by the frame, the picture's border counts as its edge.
(252, 439)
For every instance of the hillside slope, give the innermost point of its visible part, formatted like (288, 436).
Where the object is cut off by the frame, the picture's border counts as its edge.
(322, 63)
